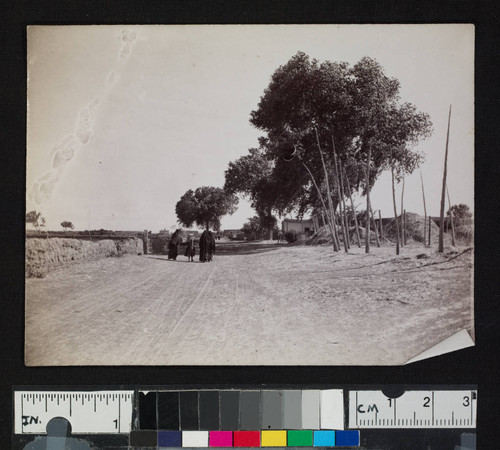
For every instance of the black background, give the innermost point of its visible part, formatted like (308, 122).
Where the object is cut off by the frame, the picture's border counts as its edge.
(476, 365)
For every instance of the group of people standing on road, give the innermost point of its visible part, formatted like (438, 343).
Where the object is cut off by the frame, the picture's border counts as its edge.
(207, 246)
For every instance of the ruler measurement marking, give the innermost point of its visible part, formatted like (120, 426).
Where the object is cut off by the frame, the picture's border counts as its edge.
(22, 414)
(357, 423)
(119, 414)
(471, 414)
(95, 403)
(432, 408)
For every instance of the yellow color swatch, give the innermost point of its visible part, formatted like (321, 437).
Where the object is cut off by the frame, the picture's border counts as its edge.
(273, 438)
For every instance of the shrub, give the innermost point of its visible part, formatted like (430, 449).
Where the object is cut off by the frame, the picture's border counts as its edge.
(291, 236)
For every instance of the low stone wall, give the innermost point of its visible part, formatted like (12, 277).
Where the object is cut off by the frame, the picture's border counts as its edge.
(43, 255)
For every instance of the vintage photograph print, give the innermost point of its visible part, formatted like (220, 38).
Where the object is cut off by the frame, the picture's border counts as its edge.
(249, 195)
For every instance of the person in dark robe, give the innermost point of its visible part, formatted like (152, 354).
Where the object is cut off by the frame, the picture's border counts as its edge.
(190, 249)
(173, 245)
(207, 246)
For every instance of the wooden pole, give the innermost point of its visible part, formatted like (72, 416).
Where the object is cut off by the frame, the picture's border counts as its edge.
(375, 227)
(344, 205)
(404, 227)
(425, 209)
(329, 193)
(380, 224)
(340, 196)
(451, 219)
(324, 207)
(402, 218)
(367, 237)
(394, 205)
(430, 223)
(353, 209)
(443, 190)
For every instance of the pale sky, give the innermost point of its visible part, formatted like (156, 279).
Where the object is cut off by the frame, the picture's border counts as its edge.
(123, 120)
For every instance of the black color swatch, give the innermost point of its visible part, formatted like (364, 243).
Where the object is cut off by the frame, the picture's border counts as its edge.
(189, 410)
(147, 411)
(143, 438)
(168, 410)
(209, 410)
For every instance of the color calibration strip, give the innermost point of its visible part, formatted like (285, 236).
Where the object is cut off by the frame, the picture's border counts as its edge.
(263, 438)
(232, 418)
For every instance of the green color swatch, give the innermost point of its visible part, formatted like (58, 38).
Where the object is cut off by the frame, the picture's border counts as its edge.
(300, 438)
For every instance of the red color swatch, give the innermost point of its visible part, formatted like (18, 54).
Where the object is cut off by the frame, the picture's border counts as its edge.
(247, 438)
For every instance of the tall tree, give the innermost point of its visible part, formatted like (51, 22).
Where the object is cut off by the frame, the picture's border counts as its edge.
(357, 106)
(252, 176)
(205, 207)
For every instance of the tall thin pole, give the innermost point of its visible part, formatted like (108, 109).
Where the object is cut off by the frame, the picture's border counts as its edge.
(343, 203)
(324, 207)
(443, 190)
(353, 208)
(375, 227)
(329, 193)
(380, 224)
(345, 232)
(402, 216)
(451, 218)
(394, 205)
(425, 209)
(367, 237)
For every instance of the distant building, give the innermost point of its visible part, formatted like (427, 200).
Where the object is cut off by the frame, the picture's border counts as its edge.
(232, 234)
(298, 225)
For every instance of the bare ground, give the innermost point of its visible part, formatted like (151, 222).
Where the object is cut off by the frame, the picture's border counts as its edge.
(255, 304)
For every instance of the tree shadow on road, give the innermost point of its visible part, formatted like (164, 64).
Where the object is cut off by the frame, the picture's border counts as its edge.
(245, 248)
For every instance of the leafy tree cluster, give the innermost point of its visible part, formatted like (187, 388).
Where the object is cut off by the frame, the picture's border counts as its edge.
(66, 225)
(354, 113)
(36, 219)
(205, 206)
(460, 211)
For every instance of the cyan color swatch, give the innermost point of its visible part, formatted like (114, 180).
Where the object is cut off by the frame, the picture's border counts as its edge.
(324, 438)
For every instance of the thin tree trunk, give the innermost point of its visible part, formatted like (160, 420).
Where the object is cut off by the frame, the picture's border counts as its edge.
(340, 197)
(425, 209)
(430, 220)
(324, 208)
(375, 226)
(358, 237)
(395, 208)
(344, 205)
(367, 236)
(329, 193)
(404, 227)
(451, 219)
(380, 224)
(402, 218)
(445, 170)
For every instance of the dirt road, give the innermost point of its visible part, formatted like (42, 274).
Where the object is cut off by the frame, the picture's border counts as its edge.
(254, 304)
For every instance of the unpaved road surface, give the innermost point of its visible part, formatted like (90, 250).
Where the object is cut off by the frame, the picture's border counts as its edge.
(255, 304)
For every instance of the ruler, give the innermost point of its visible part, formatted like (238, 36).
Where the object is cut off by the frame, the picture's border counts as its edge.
(107, 412)
(413, 409)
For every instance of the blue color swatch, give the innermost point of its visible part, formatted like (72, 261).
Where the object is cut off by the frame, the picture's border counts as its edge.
(347, 438)
(169, 439)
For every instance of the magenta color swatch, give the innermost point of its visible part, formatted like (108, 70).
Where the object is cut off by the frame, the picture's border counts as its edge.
(221, 439)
